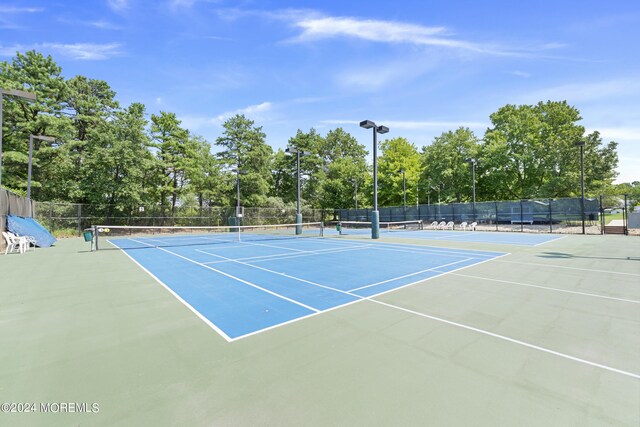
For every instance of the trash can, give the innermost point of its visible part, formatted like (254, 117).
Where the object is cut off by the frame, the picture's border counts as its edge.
(88, 235)
(339, 228)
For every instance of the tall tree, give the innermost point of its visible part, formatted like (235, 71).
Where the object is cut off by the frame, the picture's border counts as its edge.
(444, 165)
(529, 152)
(397, 154)
(119, 169)
(244, 147)
(177, 157)
(345, 171)
(41, 75)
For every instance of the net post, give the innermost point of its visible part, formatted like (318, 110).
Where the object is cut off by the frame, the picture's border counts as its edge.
(298, 223)
(375, 225)
(321, 229)
(95, 236)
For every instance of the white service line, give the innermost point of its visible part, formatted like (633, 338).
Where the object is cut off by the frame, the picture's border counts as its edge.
(551, 240)
(572, 268)
(281, 274)
(236, 278)
(549, 288)
(276, 257)
(512, 340)
(409, 275)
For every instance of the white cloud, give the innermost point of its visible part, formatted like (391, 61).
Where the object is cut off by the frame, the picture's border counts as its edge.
(521, 74)
(181, 4)
(118, 5)
(81, 51)
(253, 111)
(372, 77)
(618, 133)
(8, 22)
(15, 9)
(85, 51)
(317, 28)
(104, 25)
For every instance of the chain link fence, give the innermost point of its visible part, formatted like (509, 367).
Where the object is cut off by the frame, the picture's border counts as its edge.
(70, 219)
(535, 215)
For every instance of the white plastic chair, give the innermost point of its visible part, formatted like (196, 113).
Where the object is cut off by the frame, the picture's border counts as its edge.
(15, 243)
(442, 225)
(473, 226)
(434, 225)
(449, 225)
(463, 225)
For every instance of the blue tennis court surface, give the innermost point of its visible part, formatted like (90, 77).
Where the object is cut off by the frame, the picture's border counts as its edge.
(494, 237)
(243, 288)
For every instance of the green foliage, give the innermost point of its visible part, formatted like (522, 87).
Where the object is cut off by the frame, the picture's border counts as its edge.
(244, 147)
(445, 164)
(398, 154)
(529, 152)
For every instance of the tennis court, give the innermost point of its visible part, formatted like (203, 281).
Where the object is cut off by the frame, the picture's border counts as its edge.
(263, 281)
(329, 330)
(410, 232)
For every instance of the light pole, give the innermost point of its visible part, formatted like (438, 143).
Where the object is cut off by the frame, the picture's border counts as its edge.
(375, 215)
(31, 138)
(18, 94)
(299, 153)
(404, 193)
(581, 145)
(473, 184)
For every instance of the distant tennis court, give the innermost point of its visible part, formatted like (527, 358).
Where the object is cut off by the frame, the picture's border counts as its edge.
(259, 281)
(410, 230)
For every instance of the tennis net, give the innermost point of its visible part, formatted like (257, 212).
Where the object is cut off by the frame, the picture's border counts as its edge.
(138, 237)
(353, 227)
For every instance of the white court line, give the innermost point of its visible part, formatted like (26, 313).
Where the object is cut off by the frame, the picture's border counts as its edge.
(549, 241)
(429, 249)
(455, 234)
(280, 273)
(450, 254)
(276, 257)
(449, 322)
(235, 278)
(512, 340)
(359, 299)
(178, 297)
(572, 268)
(409, 275)
(548, 288)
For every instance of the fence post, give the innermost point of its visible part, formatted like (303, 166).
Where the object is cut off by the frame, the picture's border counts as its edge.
(496, 203)
(521, 217)
(601, 216)
(625, 217)
(79, 219)
(550, 218)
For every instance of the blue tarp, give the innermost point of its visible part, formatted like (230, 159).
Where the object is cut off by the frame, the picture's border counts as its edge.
(30, 227)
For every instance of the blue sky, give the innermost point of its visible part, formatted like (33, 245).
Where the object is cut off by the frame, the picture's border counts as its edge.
(419, 67)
